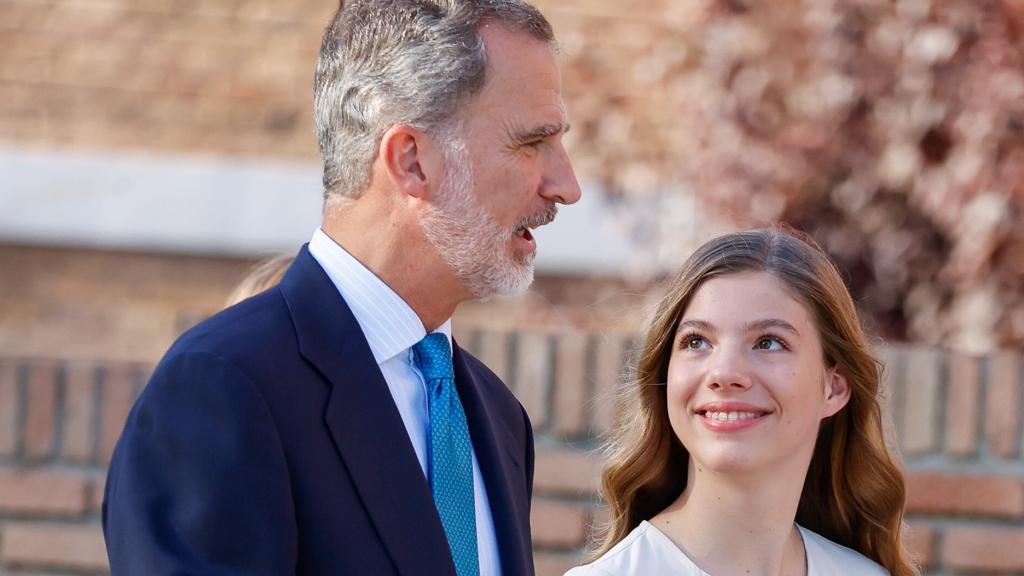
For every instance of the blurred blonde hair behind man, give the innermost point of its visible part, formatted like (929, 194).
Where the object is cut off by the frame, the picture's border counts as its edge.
(262, 277)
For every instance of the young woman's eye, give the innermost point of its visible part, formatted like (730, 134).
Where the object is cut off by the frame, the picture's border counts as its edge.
(693, 342)
(771, 343)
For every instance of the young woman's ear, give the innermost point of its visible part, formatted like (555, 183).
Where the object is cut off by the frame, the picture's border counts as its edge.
(837, 392)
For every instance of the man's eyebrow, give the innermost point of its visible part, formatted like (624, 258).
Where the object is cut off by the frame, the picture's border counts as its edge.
(541, 132)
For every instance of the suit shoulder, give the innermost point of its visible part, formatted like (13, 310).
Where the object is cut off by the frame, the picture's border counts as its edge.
(250, 328)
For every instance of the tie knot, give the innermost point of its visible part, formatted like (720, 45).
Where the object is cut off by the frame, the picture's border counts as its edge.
(434, 357)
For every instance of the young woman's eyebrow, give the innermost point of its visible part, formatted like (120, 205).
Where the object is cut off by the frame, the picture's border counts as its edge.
(769, 323)
(700, 325)
(755, 325)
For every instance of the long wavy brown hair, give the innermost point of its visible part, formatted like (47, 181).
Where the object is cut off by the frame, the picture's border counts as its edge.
(854, 491)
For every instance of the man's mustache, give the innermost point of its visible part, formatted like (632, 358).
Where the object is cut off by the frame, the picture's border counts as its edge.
(539, 219)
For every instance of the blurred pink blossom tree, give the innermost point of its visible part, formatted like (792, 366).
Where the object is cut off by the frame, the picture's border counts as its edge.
(893, 131)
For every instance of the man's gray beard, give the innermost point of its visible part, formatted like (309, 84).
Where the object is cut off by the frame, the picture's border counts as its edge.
(468, 238)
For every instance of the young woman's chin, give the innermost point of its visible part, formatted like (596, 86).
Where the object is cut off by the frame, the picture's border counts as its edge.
(731, 462)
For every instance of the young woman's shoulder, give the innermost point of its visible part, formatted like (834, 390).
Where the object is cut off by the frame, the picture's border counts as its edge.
(827, 557)
(645, 550)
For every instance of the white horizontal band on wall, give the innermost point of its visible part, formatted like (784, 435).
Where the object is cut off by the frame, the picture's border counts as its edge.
(227, 206)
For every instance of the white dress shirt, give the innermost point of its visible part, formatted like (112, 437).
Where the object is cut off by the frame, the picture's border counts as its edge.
(391, 329)
(647, 550)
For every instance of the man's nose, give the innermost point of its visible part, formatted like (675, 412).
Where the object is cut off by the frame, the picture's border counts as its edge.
(560, 184)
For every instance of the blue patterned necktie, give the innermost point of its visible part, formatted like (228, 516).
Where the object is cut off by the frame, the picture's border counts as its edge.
(451, 453)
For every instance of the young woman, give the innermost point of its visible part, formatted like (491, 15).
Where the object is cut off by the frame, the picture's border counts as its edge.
(752, 439)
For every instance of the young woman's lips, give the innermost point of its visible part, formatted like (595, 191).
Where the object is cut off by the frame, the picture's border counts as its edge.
(731, 418)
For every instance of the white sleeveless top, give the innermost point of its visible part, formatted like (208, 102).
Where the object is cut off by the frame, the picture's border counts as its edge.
(647, 551)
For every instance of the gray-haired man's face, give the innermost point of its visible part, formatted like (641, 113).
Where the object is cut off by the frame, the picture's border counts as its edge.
(507, 170)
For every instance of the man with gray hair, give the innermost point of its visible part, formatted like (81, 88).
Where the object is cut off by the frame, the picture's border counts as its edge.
(331, 425)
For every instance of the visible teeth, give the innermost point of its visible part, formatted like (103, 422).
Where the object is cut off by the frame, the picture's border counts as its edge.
(723, 416)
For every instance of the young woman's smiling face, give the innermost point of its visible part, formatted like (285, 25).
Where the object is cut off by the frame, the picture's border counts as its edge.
(747, 381)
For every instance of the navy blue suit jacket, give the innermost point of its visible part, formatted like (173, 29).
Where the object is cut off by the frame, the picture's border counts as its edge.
(267, 442)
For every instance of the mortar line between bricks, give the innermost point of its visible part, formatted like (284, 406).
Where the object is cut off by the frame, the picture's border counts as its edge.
(977, 466)
(550, 381)
(96, 426)
(947, 521)
(589, 387)
(942, 397)
(21, 415)
(59, 410)
(62, 467)
(984, 375)
(1019, 436)
(938, 545)
(43, 518)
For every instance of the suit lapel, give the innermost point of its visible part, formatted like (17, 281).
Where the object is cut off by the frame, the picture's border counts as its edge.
(365, 424)
(498, 467)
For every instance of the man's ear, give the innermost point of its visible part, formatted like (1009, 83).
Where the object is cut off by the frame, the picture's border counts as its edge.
(407, 156)
(837, 392)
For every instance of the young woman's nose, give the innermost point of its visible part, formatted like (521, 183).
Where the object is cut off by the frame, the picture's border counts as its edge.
(728, 370)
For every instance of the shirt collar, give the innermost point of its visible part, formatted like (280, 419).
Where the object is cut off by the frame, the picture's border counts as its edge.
(389, 324)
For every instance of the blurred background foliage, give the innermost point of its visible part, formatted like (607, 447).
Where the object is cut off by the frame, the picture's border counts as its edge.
(892, 131)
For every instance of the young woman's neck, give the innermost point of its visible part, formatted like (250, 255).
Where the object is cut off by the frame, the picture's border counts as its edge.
(730, 525)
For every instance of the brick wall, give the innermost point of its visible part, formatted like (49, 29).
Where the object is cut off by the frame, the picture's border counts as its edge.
(958, 421)
(234, 77)
(130, 306)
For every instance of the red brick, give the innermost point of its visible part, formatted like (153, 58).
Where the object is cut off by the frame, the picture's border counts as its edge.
(920, 542)
(555, 563)
(962, 403)
(41, 409)
(557, 524)
(921, 402)
(8, 406)
(533, 370)
(42, 493)
(969, 495)
(54, 546)
(977, 548)
(79, 412)
(571, 397)
(1003, 405)
(609, 366)
(118, 397)
(568, 472)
